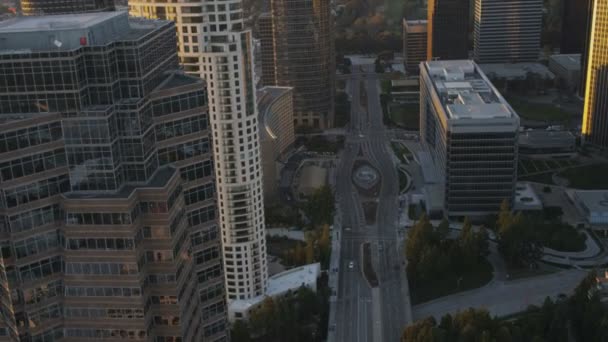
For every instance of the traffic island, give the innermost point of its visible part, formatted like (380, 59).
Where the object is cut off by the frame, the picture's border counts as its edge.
(368, 268)
(366, 178)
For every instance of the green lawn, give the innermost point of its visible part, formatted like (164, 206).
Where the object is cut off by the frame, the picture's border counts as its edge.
(449, 284)
(589, 177)
(539, 112)
(405, 115)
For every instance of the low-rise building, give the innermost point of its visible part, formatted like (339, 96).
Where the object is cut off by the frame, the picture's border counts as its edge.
(526, 198)
(516, 71)
(567, 68)
(406, 90)
(277, 137)
(280, 285)
(547, 143)
(592, 205)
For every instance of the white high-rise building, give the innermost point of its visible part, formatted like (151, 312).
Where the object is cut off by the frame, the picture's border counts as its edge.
(507, 31)
(214, 44)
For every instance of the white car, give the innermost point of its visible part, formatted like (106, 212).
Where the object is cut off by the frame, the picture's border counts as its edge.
(347, 229)
(351, 265)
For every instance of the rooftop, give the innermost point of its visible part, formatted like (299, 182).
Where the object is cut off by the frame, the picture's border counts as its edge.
(417, 26)
(568, 61)
(544, 138)
(69, 32)
(178, 80)
(526, 198)
(159, 180)
(516, 71)
(594, 201)
(465, 92)
(49, 23)
(280, 284)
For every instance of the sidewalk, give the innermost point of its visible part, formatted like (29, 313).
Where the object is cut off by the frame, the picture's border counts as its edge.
(334, 271)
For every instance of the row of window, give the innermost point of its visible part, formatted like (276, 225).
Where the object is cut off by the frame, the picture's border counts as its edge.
(183, 151)
(131, 334)
(196, 171)
(103, 218)
(30, 165)
(81, 291)
(41, 292)
(202, 215)
(37, 244)
(112, 313)
(36, 191)
(199, 194)
(33, 136)
(36, 318)
(161, 278)
(203, 236)
(35, 218)
(178, 103)
(189, 125)
(101, 268)
(41, 268)
(207, 255)
(100, 243)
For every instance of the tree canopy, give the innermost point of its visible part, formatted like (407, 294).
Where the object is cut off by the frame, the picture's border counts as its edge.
(582, 317)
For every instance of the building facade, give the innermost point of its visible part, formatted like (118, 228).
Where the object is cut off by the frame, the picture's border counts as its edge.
(448, 29)
(575, 23)
(47, 7)
(277, 136)
(304, 58)
(265, 35)
(507, 31)
(215, 45)
(414, 44)
(471, 134)
(189, 21)
(595, 114)
(108, 211)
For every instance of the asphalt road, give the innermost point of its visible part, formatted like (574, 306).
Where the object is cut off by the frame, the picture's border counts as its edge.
(363, 315)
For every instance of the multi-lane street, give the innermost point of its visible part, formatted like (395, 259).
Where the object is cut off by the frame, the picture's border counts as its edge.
(362, 313)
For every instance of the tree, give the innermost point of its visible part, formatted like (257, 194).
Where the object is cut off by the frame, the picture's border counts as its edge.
(240, 332)
(320, 206)
(443, 229)
(309, 249)
(325, 246)
(420, 237)
(517, 241)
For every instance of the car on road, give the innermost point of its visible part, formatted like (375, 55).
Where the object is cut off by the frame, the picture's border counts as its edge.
(347, 229)
(351, 265)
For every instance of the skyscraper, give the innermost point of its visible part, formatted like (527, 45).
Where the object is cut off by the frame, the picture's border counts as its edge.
(46, 7)
(595, 114)
(448, 29)
(108, 214)
(265, 35)
(507, 31)
(227, 57)
(189, 23)
(575, 20)
(215, 44)
(470, 132)
(304, 58)
(414, 44)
